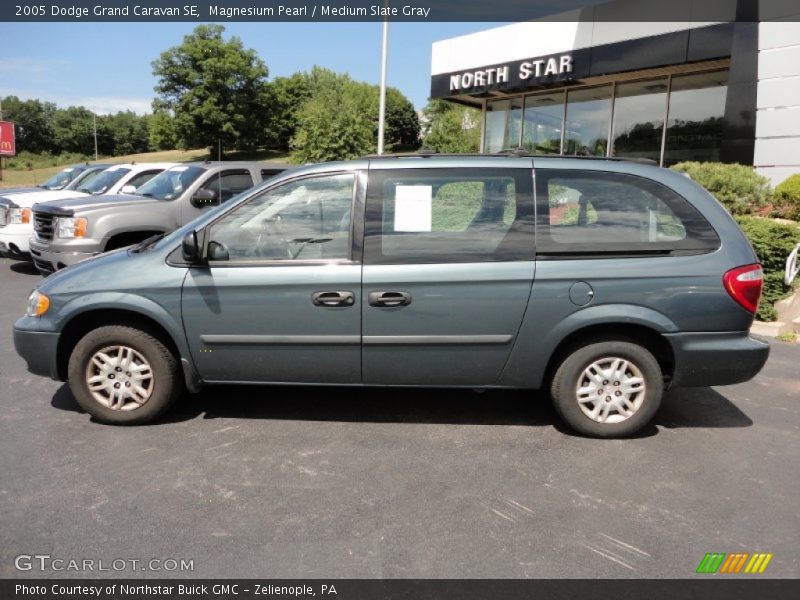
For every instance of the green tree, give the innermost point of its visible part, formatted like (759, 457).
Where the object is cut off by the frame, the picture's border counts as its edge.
(127, 133)
(450, 128)
(74, 131)
(335, 124)
(402, 122)
(216, 89)
(340, 119)
(288, 95)
(161, 128)
(33, 124)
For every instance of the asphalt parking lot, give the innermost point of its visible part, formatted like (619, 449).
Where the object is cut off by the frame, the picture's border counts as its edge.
(334, 483)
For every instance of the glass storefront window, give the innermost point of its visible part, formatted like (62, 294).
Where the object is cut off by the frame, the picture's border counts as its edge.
(503, 122)
(639, 111)
(542, 123)
(694, 128)
(588, 118)
(696, 117)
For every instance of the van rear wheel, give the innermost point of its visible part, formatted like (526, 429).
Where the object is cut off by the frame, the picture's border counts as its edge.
(123, 376)
(608, 389)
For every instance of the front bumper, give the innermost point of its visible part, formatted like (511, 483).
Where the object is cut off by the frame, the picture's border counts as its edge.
(14, 243)
(703, 359)
(39, 349)
(49, 257)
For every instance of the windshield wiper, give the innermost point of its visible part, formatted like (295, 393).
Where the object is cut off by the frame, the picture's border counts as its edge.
(148, 243)
(146, 194)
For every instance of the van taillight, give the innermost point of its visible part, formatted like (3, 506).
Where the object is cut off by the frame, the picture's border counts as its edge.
(744, 285)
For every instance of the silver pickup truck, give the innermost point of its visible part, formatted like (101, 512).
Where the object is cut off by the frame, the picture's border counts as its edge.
(71, 230)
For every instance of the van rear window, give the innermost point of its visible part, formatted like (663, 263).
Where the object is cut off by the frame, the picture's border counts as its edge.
(595, 212)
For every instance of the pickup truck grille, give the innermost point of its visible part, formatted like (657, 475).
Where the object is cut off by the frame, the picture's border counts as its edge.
(3, 216)
(43, 225)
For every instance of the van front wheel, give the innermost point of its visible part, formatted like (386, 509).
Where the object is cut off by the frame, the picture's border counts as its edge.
(123, 376)
(608, 389)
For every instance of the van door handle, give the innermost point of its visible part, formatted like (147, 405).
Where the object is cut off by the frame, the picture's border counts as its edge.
(389, 299)
(333, 298)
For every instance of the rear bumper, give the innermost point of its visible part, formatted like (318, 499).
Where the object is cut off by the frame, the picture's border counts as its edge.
(703, 359)
(37, 348)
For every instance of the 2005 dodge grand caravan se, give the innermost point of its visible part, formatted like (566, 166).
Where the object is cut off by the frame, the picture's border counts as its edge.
(606, 281)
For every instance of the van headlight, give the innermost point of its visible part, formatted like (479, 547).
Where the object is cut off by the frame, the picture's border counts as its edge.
(71, 227)
(19, 216)
(38, 304)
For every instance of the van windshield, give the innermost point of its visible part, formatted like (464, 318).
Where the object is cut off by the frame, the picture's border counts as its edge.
(171, 183)
(102, 183)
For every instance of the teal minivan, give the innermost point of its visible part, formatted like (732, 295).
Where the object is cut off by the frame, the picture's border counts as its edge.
(604, 281)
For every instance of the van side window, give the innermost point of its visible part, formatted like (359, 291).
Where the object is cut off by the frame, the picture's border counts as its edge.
(596, 212)
(305, 219)
(229, 183)
(448, 215)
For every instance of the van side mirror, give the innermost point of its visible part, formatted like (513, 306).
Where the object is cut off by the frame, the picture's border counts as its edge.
(190, 248)
(205, 197)
(128, 189)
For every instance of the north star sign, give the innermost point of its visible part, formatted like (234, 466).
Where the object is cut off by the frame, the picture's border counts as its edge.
(527, 70)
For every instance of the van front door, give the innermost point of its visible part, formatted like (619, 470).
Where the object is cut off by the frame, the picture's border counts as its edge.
(279, 300)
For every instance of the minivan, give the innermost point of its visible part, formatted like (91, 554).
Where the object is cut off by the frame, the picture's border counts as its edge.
(603, 281)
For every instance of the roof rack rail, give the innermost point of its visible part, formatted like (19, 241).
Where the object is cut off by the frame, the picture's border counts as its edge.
(508, 153)
(633, 159)
(427, 154)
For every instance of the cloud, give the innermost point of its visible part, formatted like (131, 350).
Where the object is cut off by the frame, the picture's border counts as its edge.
(104, 105)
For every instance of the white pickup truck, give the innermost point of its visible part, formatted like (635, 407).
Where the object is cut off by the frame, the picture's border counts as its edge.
(68, 178)
(16, 219)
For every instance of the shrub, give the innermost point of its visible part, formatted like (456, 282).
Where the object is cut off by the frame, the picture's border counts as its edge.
(739, 188)
(772, 241)
(787, 198)
(28, 160)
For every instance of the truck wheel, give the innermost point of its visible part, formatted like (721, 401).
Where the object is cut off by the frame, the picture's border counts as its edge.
(608, 389)
(123, 376)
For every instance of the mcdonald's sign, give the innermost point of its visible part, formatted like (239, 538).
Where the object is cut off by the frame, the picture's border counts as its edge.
(734, 563)
(7, 139)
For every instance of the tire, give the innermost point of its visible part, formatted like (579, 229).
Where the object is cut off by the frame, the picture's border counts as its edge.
(632, 405)
(123, 376)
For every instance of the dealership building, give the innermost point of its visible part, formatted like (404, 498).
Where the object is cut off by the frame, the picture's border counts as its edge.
(697, 80)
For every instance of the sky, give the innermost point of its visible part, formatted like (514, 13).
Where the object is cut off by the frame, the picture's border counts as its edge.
(106, 67)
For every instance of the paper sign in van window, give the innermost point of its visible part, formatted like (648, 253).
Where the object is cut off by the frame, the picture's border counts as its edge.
(413, 208)
(178, 169)
(69, 170)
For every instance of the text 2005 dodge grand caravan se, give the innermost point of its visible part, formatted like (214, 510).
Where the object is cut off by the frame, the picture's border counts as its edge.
(604, 281)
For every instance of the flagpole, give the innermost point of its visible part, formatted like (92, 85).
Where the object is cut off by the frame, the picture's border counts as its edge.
(382, 106)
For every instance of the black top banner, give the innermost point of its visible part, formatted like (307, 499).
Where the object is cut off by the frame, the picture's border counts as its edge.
(394, 10)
